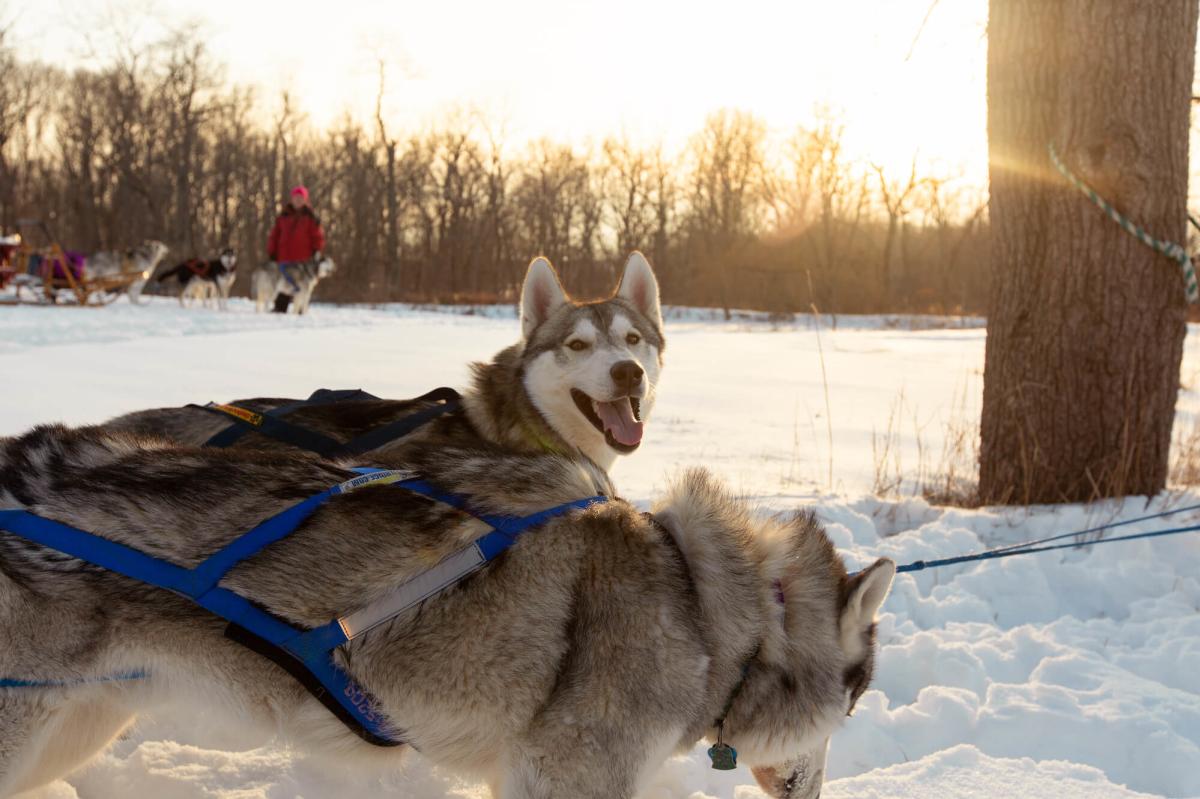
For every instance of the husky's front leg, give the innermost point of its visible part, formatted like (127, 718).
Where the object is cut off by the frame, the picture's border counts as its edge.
(41, 743)
(303, 297)
(577, 762)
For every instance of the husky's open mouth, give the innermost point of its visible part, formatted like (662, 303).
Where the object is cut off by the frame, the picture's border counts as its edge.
(620, 420)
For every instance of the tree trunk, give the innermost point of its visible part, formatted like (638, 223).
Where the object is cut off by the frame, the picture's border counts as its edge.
(1086, 324)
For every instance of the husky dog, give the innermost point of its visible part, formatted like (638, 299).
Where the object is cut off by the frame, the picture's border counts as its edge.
(599, 643)
(205, 280)
(295, 280)
(582, 379)
(144, 258)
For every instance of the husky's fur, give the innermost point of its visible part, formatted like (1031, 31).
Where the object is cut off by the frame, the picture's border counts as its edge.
(145, 258)
(267, 282)
(212, 282)
(568, 668)
(524, 399)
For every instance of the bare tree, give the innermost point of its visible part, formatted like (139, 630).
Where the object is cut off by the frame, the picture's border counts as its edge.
(897, 197)
(726, 195)
(391, 257)
(841, 197)
(954, 217)
(629, 192)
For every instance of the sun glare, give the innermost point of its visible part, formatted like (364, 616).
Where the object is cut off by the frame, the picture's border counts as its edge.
(905, 85)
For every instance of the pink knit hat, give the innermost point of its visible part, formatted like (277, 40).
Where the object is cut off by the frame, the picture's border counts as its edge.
(303, 192)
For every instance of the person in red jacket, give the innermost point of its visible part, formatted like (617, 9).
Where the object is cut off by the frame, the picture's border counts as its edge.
(297, 236)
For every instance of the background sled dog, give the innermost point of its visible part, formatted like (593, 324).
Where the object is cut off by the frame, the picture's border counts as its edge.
(570, 667)
(144, 258)
(204, 280)
(582, 378)
(296, 280)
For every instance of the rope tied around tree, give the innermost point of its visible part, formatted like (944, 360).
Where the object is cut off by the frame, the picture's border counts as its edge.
(1168, 248)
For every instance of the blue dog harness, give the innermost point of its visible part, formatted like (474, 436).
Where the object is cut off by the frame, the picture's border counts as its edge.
(307, 654)
(283, 270)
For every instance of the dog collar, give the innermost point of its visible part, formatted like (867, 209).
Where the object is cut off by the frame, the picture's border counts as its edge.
(722, 755)
(543, 441)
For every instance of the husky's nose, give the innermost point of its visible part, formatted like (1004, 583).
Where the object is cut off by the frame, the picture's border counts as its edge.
(626, 375)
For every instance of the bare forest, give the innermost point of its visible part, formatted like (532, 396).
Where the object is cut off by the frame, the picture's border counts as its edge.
(156, 144)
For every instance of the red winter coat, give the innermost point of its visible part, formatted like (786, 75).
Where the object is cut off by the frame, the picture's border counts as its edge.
(296, 236)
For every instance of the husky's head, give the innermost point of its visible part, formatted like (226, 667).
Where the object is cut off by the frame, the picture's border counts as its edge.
(228, 259)
(815, 651)
(799, 775)
(150, 252)
(828, 658)
(591, 368)
(325, 267)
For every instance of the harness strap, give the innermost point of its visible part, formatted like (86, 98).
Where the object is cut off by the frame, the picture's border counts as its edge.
(251, 420)
(306, 654)
(446, 400)
(273, 425)
(126, 676)
(269, 425)
(287, 276)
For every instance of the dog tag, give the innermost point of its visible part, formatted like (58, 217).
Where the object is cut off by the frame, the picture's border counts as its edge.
(723, 756)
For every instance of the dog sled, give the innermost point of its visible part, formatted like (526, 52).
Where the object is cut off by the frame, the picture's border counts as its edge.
(8, 250)
(51, 274)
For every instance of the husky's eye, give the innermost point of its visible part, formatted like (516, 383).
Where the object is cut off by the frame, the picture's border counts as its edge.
(578, 345)
(632, 338)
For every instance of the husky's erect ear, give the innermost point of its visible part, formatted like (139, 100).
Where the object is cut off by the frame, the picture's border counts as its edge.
(865, 592)
(639, 286)
(541, 295)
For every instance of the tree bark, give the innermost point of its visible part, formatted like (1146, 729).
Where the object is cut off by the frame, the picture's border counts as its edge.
(1085, 324)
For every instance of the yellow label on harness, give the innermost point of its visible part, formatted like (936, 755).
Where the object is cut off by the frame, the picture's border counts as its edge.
(250, 417)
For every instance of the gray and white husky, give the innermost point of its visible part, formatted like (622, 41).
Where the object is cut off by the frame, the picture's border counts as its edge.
(582, 379)
(571, 667)
(296, 280)
(144, 258)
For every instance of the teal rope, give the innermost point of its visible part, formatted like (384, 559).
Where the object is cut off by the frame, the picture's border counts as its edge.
(1167, 248)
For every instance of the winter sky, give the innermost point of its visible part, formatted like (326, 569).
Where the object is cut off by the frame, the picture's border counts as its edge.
(573, 70)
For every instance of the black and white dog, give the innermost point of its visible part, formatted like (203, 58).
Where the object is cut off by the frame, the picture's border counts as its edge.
(205, 280)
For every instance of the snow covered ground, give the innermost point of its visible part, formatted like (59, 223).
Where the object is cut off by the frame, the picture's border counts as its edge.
(1055, 675)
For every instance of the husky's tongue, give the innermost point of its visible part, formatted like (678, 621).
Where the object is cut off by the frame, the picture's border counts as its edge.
(618, 420)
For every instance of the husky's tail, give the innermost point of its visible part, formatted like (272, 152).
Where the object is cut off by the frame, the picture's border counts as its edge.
(174, 271)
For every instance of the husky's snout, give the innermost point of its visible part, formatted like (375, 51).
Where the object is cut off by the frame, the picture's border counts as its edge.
(626, 375)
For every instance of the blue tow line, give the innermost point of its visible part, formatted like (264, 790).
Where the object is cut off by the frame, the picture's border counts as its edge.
(1031, 547)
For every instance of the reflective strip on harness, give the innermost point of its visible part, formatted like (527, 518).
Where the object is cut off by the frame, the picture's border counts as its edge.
(241, 414)
(453, 568)
(413, 592)
(306, 654)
